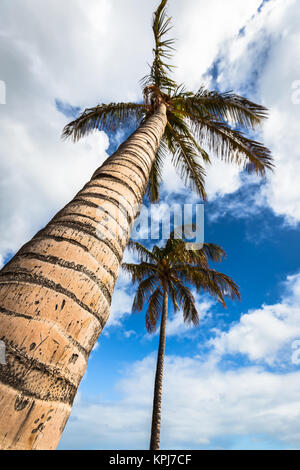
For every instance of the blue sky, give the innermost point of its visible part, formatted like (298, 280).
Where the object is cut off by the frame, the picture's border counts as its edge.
(231, 383)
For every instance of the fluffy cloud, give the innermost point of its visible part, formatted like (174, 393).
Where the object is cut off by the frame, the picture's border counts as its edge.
(262, 63)
(39, 173)
(205, 405)
(202, 406)
(266, 334)
(201, 32)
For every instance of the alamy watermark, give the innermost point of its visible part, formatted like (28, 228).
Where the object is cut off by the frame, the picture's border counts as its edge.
(2, 92)
(157, 222)
(296, 352)
(296, 92)
(2, 352)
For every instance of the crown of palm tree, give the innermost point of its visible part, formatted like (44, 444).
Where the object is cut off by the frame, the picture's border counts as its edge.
(174, 268)
(197, 123)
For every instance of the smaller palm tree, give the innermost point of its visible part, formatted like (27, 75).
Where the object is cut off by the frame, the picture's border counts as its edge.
(166, 272)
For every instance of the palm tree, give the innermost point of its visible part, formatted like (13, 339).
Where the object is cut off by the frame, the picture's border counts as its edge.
(171, 271)
(55, 293)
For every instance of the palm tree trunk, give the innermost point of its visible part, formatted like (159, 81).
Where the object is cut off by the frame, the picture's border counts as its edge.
(55, 293)
(156, 413)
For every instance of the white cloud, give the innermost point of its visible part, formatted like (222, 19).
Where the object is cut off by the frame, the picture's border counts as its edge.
(205, 405)
(201, 32)
(129, 333)
(263, 63)
(201, 406)
(266, 334)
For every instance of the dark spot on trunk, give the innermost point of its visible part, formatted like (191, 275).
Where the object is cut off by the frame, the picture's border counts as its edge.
(39, 428)
(21, 403)
(63, 304)
(18, 433)
(32, 346)
(73, 359)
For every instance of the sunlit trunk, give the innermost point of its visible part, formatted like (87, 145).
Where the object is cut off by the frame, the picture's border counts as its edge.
(156, 413)
(55, 294)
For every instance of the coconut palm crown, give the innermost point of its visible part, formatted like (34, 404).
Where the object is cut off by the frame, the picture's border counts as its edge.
(168, 272)
(198, 124)
(174, 268)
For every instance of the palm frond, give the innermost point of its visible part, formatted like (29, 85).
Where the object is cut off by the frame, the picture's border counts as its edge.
(186, 301)
(106, 117)
(138, 272)
(161, 26)
(180, 126)
(228, 106)
(142, 252)
(186, 162)
(177, 253)
(232, 146)
(172, 292)
(144, 292)
(213, 252)
(154, 310)
(217, 284)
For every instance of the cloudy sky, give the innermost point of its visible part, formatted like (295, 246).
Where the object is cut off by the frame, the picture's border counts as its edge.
(234, 382)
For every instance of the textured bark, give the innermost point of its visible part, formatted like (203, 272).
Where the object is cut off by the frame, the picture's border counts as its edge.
(55, 294)
(156, 413)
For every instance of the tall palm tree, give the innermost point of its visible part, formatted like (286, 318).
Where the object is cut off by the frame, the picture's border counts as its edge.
(166, 272)
(55, 293)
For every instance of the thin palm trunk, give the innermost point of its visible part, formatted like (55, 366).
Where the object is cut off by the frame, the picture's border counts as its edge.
(156, 413)
(55, 294)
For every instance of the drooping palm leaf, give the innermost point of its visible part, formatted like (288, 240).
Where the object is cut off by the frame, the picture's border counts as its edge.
(224, 106)
(106, 117)
(186, 301)
(144, 292)
(141, 251)
(154, 310)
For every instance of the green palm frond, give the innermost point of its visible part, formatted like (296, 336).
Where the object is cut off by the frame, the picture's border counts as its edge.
(139, 272)
(224, 107)
(106, 117)
(154, 310)
(142, 252)
(232, 146)
(178, 125)
(217, 284)
(177, 252)
(158, 75)
(186, 162)
(172, 292)
(213, 252)
(186, 302)
(144, 292)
